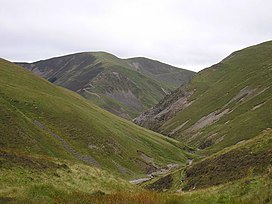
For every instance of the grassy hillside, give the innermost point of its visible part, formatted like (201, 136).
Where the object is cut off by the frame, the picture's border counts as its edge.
(252, 157)
(124, 87)
(239, 174)
(40, 118)
(39, 179)
(252, 189)
(222, 105)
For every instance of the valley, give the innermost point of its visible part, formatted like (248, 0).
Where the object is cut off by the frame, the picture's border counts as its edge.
(196, 138)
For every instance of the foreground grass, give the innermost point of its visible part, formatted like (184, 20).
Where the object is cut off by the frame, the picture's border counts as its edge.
(248, 190)
(36, 179)
(42, 179)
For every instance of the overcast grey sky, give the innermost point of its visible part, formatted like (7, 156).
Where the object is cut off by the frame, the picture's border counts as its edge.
(191, 34)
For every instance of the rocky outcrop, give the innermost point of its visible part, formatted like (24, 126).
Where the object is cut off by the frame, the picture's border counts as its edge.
(157, 115)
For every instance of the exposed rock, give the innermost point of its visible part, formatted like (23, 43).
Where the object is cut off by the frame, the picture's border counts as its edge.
(208, 120)
(127, 98)
(87, 159)
(243, 93)
(178, 128)
(171, 104)
(140, 180)
(119, 167)
(258, 106)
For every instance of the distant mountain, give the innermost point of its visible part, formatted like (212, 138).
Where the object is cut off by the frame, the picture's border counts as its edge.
(125, 87)
(222, 105)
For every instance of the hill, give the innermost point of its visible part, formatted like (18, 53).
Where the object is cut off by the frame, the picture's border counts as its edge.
(222, 105)
(248, 158)
(40, 118)
(125, 87)
(238, 174)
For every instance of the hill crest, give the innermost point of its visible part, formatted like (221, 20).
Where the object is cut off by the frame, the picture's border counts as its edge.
(125, 87)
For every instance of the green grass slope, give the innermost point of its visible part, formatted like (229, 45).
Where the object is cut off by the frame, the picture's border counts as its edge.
(249, 190)
(124, 87)
(222, 105)
(32, 179)
(239, 174)
(38, 179)
(40, 118)
(250, 158)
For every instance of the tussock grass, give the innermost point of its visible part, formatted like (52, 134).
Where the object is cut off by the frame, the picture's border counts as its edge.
(245, 191)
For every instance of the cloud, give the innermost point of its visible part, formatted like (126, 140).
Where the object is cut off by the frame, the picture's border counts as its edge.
(187, 33)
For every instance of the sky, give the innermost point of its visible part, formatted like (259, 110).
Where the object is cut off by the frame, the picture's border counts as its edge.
(191, 34)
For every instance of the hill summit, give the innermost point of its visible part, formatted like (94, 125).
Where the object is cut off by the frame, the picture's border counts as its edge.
(125, 87)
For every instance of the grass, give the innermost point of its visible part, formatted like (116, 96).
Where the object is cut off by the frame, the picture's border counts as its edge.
(248, 190)
(27, 178)
(241, 173)
(215, 87)
(112, 141)
(251, 157)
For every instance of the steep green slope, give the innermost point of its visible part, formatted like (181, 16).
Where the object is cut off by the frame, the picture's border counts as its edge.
(124, 87)
(222, 105)
(38, 117)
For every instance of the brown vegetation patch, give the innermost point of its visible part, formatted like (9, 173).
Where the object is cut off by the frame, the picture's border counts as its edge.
(9, 160)
(164, 183)
(229, 166)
